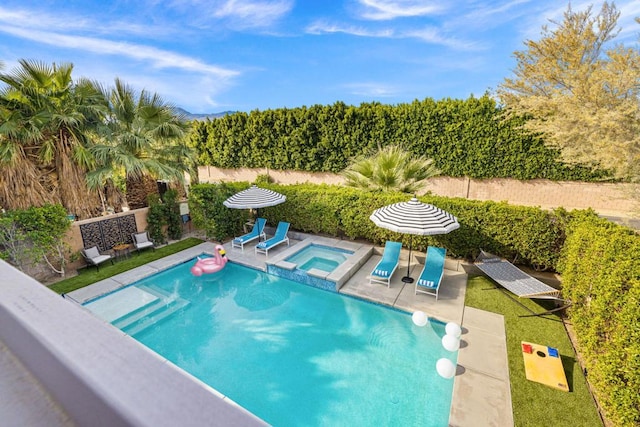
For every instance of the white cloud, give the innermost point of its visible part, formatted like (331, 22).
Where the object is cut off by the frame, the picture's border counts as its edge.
(71, 23)
(236, 14)
(379, 10)
(627, 23)
(158, 58)
(377, 90)
(429, 35)
(320, 27)
(197, 93)
(258, 13)
(433, 35)
(494, 14)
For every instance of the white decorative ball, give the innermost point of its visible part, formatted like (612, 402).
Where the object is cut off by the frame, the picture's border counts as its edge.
(420, 318)
(453, 329)
(446, 368)
(451, 343)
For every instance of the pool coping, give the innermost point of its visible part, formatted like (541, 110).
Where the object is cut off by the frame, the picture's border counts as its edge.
(126, 278)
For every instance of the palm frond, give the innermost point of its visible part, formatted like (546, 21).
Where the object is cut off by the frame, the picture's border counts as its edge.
(390, 169)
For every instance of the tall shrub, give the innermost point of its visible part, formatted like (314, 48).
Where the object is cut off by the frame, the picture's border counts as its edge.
(209, 214)
(601, 276)
(30, 236)
(463, 137)
(172, 214)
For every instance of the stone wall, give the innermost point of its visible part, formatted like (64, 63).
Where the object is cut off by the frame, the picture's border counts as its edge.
(606, 199)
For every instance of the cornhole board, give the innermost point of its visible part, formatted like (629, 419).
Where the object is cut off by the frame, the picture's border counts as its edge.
(542, 364)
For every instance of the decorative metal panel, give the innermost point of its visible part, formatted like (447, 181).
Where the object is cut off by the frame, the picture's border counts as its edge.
(127, 227)
(92, 235)
(107, 233)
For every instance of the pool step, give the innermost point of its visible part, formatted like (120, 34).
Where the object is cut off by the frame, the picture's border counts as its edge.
(140, 319)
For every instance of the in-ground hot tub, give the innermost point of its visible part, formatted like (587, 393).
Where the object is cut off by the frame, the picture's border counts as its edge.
(325, 258)
(320, 262)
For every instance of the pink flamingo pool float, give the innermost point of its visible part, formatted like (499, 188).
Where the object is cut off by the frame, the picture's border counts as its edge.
(210, 265)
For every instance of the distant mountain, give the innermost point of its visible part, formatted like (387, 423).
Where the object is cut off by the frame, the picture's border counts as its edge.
(191, 116)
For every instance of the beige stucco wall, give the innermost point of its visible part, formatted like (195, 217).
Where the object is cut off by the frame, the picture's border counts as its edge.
(74, 237)
(606, 199)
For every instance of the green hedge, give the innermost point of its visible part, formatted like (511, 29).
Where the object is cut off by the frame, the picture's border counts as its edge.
(464, 137)
(529, 235)
(27, 236)
(209, 214)
(601, 275)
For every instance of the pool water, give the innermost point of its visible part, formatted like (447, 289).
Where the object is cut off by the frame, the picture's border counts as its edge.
(291, 354)
(323, 258)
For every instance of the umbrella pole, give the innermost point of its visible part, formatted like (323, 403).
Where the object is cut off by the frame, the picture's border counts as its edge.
(256, 219)
(407, 278)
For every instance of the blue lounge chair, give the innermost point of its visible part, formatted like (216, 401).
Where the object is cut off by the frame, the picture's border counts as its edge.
(431, 276)
(387, 266)
(279, 237)
(255, 233)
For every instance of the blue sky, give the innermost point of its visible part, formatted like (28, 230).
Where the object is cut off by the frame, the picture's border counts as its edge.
(218, 55)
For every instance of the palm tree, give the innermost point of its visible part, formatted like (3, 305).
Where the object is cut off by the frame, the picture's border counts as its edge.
(390, 169)
(46, 122)
(143, 140)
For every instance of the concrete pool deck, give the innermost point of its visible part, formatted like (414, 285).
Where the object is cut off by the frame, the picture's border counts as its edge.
(481, 392)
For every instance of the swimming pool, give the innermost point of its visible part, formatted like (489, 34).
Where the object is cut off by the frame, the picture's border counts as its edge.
(323, 258)
(291, 354)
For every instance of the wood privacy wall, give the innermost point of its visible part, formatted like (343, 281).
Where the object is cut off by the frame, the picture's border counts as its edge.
(606, 199)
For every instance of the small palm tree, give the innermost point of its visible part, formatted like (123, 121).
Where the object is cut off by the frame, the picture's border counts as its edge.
(143, 140)
(390, 169)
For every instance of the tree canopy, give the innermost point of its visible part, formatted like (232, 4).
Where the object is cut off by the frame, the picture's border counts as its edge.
(64, 140)
(141, 140)
(581, 91)
(46, 120)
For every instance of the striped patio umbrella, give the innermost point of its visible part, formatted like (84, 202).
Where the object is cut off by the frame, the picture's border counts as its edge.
(254, 198)
(414, 217)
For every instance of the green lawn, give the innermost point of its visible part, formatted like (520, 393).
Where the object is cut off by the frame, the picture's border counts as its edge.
(535, 404)
(87, 276)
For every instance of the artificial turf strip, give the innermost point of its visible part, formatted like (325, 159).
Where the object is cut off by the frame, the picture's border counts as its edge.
(87, 276)
(535, 404)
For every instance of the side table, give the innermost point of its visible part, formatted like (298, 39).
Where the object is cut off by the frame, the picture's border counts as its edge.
(121, 250)
(247, 226)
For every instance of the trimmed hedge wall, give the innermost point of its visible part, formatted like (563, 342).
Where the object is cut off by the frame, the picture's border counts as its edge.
(600, 268)
(527, 235)
(464, 137)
